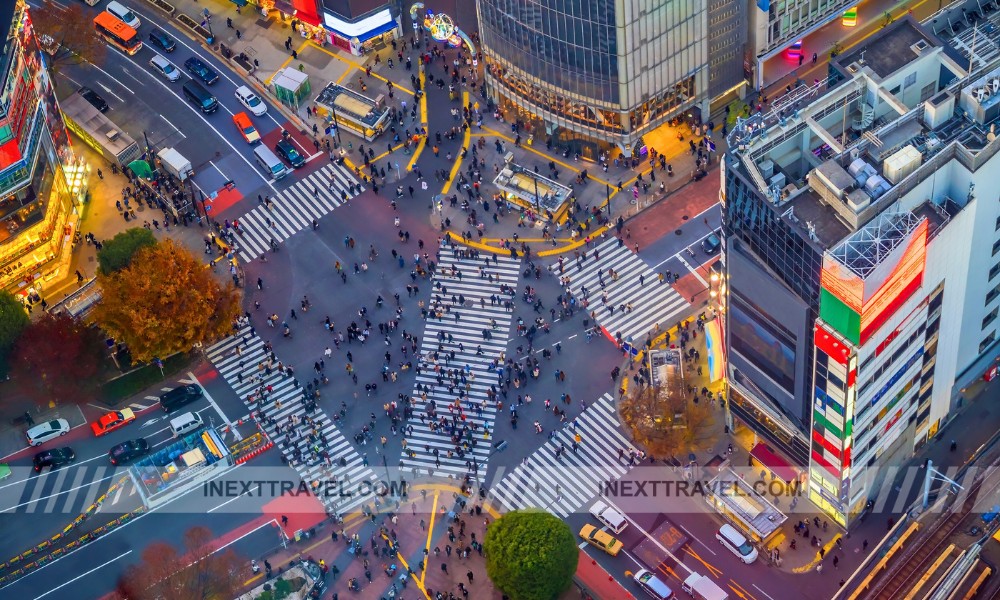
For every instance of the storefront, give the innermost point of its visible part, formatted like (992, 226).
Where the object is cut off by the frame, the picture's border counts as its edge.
(301, 15)
(368, 34)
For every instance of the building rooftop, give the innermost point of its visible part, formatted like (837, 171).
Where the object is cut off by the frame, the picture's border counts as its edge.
(890, 50)
(830, 162)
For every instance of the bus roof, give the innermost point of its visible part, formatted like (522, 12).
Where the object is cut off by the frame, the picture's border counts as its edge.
(114, 24)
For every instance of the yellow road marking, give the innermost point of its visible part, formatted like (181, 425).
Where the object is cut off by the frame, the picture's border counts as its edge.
(423, 121)
(466, 137)
(430, 533)
(574, 169)
(360, 67)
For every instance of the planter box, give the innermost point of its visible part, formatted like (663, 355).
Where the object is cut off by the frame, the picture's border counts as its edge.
(164, 6)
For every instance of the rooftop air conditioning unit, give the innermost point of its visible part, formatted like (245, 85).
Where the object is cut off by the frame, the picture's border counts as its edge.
(854, 67)
(920, 46)
(112, 134)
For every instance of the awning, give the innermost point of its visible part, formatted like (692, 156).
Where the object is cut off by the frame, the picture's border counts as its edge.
(141, 169)
(364, 30)
(763, 454)
(285, 7)
(305, 11)
(239, 2)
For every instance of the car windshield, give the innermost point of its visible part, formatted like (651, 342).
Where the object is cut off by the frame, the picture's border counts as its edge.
(253, 100)
(248, 130)
(168, 68)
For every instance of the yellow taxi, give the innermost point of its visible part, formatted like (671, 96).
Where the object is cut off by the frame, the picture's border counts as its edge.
(602, 539)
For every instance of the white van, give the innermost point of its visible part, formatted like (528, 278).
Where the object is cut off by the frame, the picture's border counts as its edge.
(612, 518)
(269, 162)
(186, 423)
(736, 543)
(124, 13)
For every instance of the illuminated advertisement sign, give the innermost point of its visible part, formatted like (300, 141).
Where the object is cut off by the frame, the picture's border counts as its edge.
(856, 308)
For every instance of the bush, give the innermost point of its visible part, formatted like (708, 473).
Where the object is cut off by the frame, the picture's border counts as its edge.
(530, 555)
(117, 253)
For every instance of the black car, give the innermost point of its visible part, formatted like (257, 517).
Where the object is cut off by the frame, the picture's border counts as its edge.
(287, 151)
(179, 396)
(54, 458)
(711, 244)
(162, 41)
(201, 70)
(91, 96)
(128, 451)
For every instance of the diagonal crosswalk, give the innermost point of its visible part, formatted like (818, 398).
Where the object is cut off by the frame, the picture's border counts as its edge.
(563, 484)
(293, 209)
(443, 440)
(238, 359)
(634, 284)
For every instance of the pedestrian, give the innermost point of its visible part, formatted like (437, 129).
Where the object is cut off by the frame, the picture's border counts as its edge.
(238, 34)
(284, 521)
(836, 559)
(864, 546)
(470, 576)
(444, 567)
(819, 568)
(100, 174)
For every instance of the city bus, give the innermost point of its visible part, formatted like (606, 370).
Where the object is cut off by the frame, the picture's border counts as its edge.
(117, 33)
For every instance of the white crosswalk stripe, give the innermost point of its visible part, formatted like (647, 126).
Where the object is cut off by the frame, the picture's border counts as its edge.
(563, 485)
(652, 302)
(293, 209)
(483, 310)
(287, 398)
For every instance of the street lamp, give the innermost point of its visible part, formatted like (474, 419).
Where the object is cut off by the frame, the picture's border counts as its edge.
(538, 204)
(336, 121)
(607, 195)
(207, 22)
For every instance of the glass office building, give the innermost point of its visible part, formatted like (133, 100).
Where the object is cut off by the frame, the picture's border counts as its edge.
(594, 75)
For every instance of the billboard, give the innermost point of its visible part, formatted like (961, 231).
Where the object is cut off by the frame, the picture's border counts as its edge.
(857, 307)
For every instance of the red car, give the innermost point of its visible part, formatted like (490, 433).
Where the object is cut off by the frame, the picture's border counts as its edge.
(113, 420)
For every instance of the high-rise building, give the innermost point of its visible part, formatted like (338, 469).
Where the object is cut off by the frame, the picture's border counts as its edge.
(596, 75)
(40, 178)
(862, 238)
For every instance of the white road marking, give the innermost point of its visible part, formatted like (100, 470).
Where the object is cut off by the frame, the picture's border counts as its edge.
(762, 591)
(215, 508)
(693, 271)
(649, 537)
(82, 575)
(216, 167)
(225, 419)
(707, 547)
(172, 125)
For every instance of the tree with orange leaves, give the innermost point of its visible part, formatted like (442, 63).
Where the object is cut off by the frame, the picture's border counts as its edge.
(164, 302)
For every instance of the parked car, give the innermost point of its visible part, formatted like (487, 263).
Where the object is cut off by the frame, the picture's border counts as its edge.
(43, 432)
(128, 451)
(112, 420)
(162, 41)
(250, 100)
(54, 458)
(95, 100)
(287, 151)
(201, 70)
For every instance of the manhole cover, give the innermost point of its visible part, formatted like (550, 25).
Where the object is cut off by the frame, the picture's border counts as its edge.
(678, 232)
(685, 218)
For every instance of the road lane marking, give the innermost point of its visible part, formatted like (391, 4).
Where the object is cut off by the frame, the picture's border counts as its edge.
(172, 125)
(762, 591)
(211, 401)
(82, 575)
(430, 533)
(649, 536)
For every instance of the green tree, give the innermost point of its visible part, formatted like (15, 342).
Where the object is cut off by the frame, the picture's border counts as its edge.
(58, 356)
(530, 555)
(13, 320)
(117, 253)
(164, 302)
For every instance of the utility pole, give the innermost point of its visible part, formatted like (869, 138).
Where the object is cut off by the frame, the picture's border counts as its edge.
(538, 204)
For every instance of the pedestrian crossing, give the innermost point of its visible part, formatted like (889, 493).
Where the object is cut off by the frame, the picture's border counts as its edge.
(242, 355)
(633, 284)
(459, 327)
(70, 490)
(562, 485)
(294, 208)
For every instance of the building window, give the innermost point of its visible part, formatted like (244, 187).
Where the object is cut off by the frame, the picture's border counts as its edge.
(993, 294)
(996, 247)
(994, 271)
(990, 318)
(986, 342)
(910, 80)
